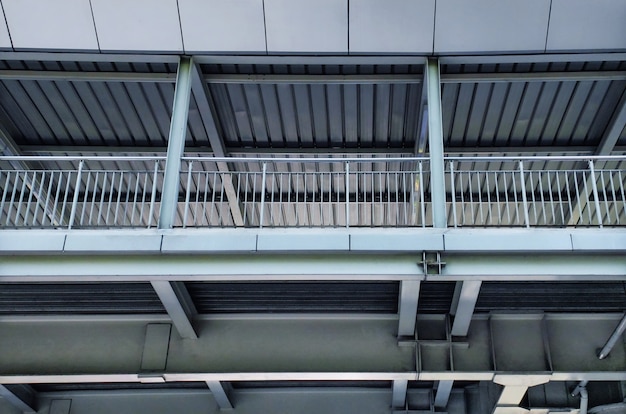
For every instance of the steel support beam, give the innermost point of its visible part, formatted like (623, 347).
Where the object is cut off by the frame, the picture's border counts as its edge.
(398, 393)
(509, 349)
(463, 304)
(407, 307)
(207, 114)
(114, 267)
(220, 392)
(174, 296)
(178, 306)
(20, 396)
(435, 144)
(176, 143)
(511, 397)
(614, 130)
(442, 396)
(422, 129)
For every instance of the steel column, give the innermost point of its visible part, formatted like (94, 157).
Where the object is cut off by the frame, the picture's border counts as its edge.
(398, 393)
(407, 307)
(435, 145)
(463, 306)
(444, 388)
(176, 144)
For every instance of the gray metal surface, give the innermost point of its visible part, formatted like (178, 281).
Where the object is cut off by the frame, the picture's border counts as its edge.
(222, 26)
(491, 25)
(306, 27)
(62, 25)
(402, 26)
(140, 25)
(587, 25)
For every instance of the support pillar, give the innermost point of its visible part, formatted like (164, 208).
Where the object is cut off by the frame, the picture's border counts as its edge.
(463, 304)
(407, 308)
(435, 144)
(398, 397)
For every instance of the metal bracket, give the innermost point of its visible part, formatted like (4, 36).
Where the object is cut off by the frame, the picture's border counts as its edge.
(431, 263)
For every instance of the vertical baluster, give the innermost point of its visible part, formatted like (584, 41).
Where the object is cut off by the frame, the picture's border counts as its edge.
(262, 212)
(594, 188)
(347, 195)
(523, 190)
(76, 190)
(153, 194)
(187, 194)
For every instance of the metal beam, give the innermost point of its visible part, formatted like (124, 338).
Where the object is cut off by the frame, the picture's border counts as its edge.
(510, 349)
(75, 76)
(398, 393)
(178, 306)
(422, 129)
(463, 304)
(614, 129)
(207, 114)
(176, 144)
(435, 144)
(220, 392)
(533, 77)
(282, 267)
(313, 79)
(511, 396)
(20, 396)
(407, 307)
(71, 149)
(442, 396)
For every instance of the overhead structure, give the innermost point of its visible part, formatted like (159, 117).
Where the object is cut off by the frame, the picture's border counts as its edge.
(382, 208)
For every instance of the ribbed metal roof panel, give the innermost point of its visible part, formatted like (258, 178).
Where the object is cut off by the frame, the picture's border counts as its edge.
(528, 113)
(552, 296)
(317, 115)
(295, 297)
(78, 298)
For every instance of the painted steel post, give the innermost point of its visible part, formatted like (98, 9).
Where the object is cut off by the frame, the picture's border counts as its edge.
(187, 191)
(594, 189)
(176, 144)
(262, 212)
(453, 191)
(75, 198)
(347, 195)
(154, 190)
(435, 144)
(524, 198)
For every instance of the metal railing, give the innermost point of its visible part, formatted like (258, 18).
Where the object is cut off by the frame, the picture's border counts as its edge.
(536, 191)
(118, 192)
(305, 192)
(96, 192)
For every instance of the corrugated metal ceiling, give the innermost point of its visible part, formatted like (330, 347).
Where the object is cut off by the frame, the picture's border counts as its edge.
(318, 116)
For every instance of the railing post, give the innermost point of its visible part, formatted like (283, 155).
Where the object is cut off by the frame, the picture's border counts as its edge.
(76, 190)
(347, 194)
(524, 198)
(594, 188)
(262, 212)
(187, 191)
(153, 194)
(453, 190)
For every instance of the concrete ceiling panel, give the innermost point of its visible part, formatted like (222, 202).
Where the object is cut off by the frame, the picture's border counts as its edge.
(480, 26)
(304, 26)
(587, 25)
(222, 25)
(392, 26)
(57, 25)
(138, 25)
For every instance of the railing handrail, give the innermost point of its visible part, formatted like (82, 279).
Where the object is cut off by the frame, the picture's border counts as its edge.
(317, 159)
